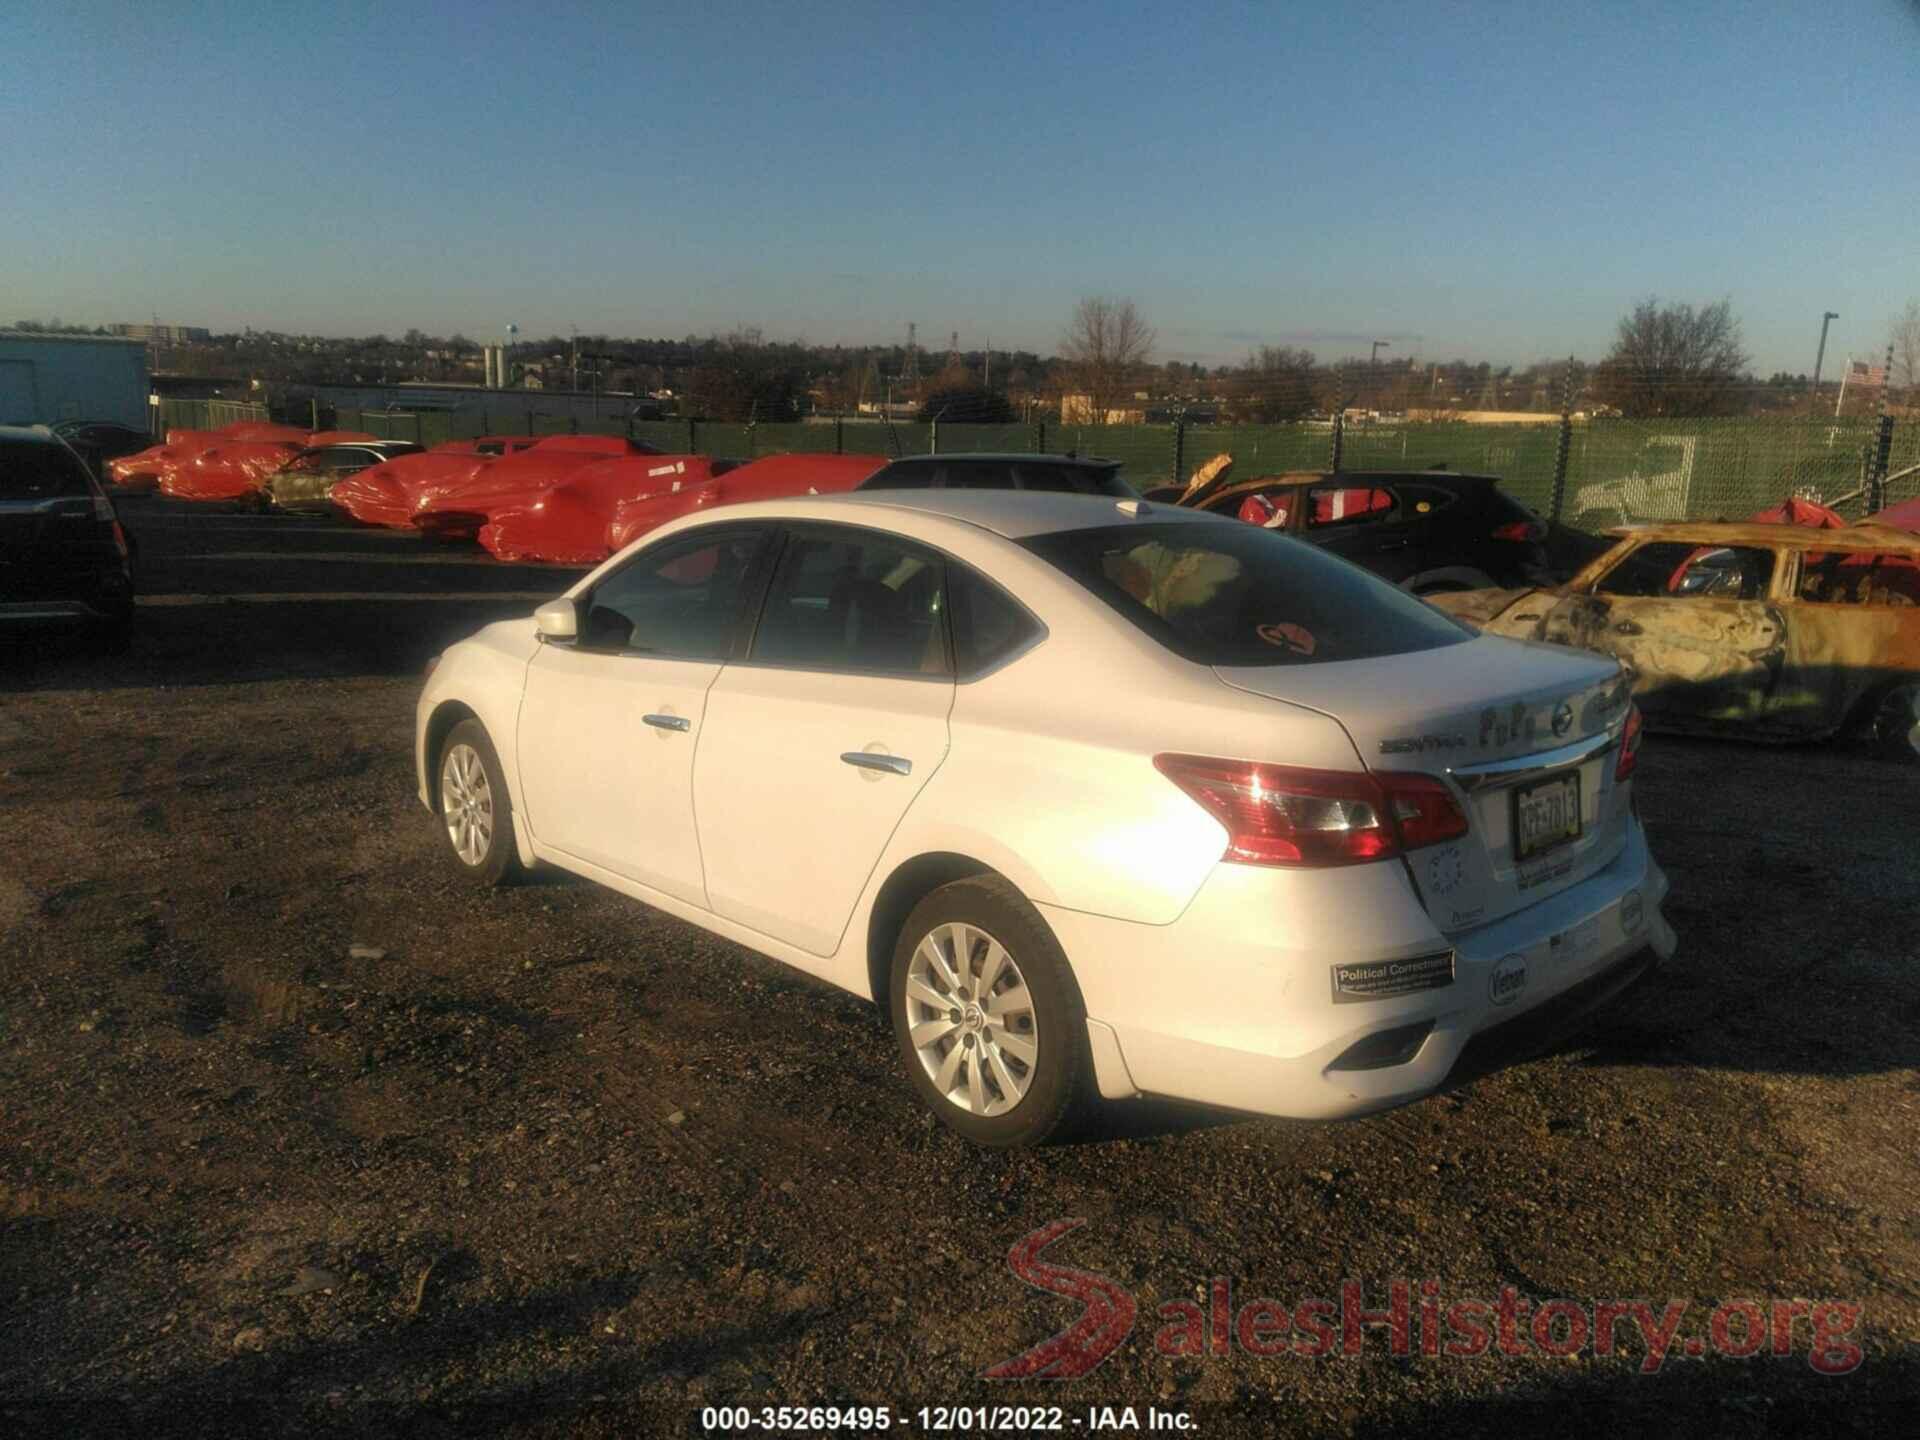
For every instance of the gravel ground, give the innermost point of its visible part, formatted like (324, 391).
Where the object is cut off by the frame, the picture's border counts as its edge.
(298, 1134)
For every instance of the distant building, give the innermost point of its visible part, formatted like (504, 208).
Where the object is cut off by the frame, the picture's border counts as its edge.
(1078, 410)
(44, 378)
(162, 334)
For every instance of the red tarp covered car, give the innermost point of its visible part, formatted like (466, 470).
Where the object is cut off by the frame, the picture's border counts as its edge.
(230, 470)
(568, 523)
(1904, 516)
(775, 478)
(144, 470)
(456, 507)
(386, 493)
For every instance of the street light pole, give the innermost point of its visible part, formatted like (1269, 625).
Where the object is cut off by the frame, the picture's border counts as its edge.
(1820, 355)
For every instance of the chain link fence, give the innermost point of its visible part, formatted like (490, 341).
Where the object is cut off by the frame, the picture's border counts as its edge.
(1603, 472)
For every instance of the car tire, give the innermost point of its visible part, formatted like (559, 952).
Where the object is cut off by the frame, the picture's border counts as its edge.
(111, 637)
(1896, 723)
(1007, 1063)
(475, 811)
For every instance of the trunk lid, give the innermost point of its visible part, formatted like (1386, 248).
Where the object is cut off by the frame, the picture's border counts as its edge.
(1503, 722)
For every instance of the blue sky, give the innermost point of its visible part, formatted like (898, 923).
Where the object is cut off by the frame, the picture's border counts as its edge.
(1499, 181)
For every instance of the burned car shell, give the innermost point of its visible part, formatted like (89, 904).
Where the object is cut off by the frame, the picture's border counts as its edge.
(1767, 661)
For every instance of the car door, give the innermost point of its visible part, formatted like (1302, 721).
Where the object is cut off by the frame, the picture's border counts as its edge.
(610, 722)
(1697, 626)
(815, 746)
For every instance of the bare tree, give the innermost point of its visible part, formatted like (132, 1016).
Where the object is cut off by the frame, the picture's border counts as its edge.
(1674, 360)
(1904, 334)
(1277, 383)
(1106, 345)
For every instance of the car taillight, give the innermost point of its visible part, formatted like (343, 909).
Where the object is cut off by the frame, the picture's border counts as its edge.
(1629, 745)
(1287, 815)
(1522, 531)
(1424, 810)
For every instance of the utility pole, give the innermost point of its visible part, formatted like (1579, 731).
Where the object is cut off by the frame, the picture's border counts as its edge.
(1373, 368)
(575, 386)
(1821, 354)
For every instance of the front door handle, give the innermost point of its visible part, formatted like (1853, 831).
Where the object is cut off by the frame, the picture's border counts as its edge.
(867, 760)
(668, 722)
(1627, 627)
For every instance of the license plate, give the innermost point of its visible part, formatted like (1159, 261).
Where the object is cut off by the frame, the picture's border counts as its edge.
(1545, 814)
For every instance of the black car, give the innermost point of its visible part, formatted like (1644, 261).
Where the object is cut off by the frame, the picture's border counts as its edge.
(1427, 531)
(64, 559)
(98, 441)
(1061, 474)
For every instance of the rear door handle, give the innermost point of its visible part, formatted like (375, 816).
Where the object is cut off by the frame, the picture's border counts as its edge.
(867, 760)
(668, 722)
(1627, 627)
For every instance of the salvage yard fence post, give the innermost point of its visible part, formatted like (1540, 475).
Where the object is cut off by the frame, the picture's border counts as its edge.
(1563, 448)
(1339, 435)
(1179, 447)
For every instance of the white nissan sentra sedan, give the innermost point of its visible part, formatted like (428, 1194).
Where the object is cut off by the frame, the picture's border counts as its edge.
(1093, 795)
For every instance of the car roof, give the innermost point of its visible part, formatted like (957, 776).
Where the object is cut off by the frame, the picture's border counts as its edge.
(1793, 537)
(34, 434)
(1004, 457)
(1014, 514)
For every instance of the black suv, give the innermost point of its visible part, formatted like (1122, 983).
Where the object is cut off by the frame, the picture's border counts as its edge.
(64, 560)
(1060, 474)
(1427, 531)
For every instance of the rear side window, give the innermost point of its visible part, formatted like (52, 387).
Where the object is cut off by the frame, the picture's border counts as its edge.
(36, 470)
(1232, 594)
(988, 624)
(1347, 505)
(849, 599)
(1829, 578)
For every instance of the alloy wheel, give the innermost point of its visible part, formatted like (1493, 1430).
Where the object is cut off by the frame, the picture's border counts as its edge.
(970, 1019)
(466, 802)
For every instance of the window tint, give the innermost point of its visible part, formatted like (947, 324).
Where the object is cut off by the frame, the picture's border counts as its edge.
(1232, 594)
(902, 477)
(1828, 578)
(1347, 505)
(39, 470)
(1424, 500)
(1680, 569)
(682, 599)
(1270, 508)
(988, 623)
(853, 600)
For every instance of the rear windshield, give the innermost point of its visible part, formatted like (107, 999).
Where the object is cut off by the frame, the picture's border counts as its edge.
(1233, 594)
(36, 470)
(963, 474)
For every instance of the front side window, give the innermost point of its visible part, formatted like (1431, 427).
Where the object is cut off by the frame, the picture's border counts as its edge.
(683, 600)
(1231, 594)
(855, 600)
(1681, 569)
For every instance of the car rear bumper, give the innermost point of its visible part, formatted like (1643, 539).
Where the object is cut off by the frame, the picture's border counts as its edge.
(1232, 1006)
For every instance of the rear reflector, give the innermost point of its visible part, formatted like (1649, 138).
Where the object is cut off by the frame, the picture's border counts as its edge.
(1385, 1048)
(1524, 531)
(1287, 815)
(1629, 744)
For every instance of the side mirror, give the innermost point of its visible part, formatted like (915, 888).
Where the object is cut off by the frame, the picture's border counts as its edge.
(557, 620)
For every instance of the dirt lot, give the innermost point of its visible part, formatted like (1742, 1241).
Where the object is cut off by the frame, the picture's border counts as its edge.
(544, 1161)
